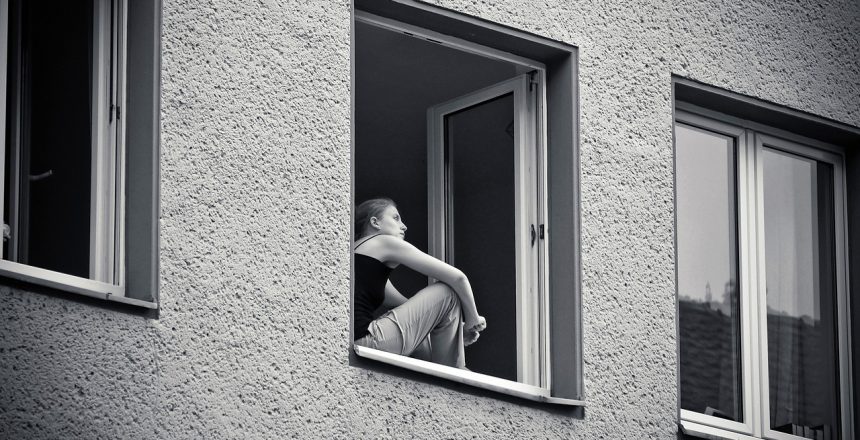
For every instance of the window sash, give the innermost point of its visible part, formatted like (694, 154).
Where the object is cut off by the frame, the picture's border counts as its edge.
(532, 310)
(843, 359)
(745, 257)
(107, 201)
(753, 305)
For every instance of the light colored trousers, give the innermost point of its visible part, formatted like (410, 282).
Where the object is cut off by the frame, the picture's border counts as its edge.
(427, 327)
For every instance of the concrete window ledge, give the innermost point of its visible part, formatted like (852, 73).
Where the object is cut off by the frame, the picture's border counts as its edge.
(709, 432)
(470, 378)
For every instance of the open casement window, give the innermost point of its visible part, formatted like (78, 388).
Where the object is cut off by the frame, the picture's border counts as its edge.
(470, 128)
(486, 213)
(63, 174)
(762, 285)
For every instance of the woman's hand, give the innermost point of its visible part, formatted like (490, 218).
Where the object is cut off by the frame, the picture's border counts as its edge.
(477, 326)
(473, 332)
(391, 249)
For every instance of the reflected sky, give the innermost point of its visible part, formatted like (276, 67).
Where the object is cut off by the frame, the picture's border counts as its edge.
(791, 234)
(707, 252)
(707, 222)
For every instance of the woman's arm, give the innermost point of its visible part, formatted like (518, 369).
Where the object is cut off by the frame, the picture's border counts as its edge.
(401, 251)
(393, 297)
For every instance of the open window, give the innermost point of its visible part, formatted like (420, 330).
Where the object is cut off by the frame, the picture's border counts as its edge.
(484, 175)
(455, 122)
(65, 107)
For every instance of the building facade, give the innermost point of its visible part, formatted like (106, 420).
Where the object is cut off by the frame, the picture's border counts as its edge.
(244, 139)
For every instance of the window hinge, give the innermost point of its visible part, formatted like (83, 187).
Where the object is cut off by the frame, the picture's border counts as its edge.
(115, 110)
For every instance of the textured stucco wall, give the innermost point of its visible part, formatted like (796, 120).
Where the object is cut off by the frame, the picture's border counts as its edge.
(252, 336)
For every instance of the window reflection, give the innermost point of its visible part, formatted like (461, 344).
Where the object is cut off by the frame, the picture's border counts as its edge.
(709, 315)
(800, 254)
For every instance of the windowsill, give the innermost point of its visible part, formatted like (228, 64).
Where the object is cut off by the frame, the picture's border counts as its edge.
(470, 378)
(69, 283)
(709, 432)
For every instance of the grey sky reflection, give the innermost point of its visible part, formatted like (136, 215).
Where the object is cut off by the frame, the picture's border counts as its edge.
(791, 231)
(707, 256)
(707, 235)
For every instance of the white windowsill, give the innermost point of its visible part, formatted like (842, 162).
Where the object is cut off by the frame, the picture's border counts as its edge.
(69, 283)
(477, 380)
(709, 432)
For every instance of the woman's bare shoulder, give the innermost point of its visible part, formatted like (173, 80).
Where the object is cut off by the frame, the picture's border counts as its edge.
(381, 243)
(393, 243)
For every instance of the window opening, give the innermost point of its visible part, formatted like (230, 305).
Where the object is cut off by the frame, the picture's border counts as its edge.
(62, 171)
(452, 132)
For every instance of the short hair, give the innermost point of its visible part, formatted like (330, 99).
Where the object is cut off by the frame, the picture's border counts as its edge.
(367, 209)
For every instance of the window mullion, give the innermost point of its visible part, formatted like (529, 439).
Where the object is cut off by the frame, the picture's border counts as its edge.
(753, 281)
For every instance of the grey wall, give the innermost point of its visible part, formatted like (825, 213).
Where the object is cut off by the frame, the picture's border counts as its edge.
(252, 337)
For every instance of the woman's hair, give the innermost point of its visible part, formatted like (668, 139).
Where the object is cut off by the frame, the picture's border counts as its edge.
(367, 209)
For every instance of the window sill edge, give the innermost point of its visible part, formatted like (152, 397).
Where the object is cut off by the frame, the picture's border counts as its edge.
(710, 432)
(465, 377)
(70, 284)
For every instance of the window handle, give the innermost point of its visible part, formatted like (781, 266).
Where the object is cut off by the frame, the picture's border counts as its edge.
(45, 175)
(534, 234)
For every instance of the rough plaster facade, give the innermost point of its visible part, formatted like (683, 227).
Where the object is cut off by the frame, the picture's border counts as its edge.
(252, 336)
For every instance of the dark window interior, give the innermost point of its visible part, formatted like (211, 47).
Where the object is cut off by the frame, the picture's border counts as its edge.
(50, 72)
(398, 78)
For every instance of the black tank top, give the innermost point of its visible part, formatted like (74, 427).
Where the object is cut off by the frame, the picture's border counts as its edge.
(371, 275)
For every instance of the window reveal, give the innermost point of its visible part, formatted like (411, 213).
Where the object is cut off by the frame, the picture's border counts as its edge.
(466, 124)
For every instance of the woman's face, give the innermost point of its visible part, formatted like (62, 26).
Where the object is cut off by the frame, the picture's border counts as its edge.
(390, 223)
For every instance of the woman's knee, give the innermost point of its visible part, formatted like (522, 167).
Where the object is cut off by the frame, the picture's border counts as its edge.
(447, 295)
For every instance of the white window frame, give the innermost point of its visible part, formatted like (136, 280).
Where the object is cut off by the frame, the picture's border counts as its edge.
(750, 140)
(107, 226)
(530, 212)
(745, 259)
(533, 369)
(841, 262)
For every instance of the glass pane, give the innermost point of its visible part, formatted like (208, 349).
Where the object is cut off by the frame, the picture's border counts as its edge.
(49, 139)
(479, 148)
(800, 255)
(709, 315)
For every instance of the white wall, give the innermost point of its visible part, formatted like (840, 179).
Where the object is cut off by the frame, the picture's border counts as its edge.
(252, 338)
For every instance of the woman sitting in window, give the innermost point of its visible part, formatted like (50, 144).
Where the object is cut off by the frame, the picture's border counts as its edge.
(426, 326)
